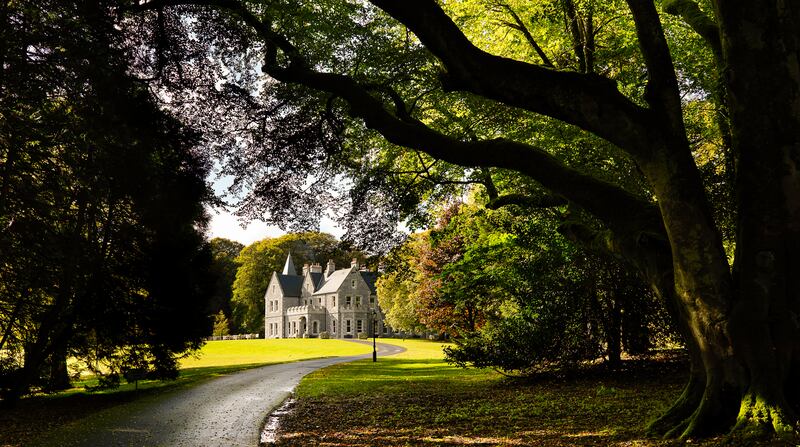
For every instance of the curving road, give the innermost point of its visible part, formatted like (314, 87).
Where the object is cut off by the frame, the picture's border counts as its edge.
(228, 411)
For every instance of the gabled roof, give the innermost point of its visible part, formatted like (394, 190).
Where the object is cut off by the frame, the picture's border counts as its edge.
(317, 279)
(291, 284)
(333, 282)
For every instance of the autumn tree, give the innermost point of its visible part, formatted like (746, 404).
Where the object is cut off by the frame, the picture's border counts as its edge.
(363, 69)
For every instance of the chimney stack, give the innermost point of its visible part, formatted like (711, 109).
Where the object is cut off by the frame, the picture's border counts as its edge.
(354, 263)
(316, 268)
(330, 268)
(305, 269)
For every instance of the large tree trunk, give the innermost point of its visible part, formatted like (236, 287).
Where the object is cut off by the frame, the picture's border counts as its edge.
(748, 331)
(761, 45)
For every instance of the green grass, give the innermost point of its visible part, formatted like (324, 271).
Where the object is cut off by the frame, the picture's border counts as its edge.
(244, 352)
(422, 362)
(416, 398)
(37, 414)
(217, 358)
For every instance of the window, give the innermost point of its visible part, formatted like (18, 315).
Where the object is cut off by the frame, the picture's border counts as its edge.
(319, 301)
(333, 326)
(314, 327)
(353, 283)
(384, 329)
(294, 327)
(347, 300)
(358, 300)
(347, 326)
(372, 300)
(359, 326)
(334, 300)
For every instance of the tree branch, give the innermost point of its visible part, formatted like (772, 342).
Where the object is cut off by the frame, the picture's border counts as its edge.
(547, 201)
(690, 12)
(519, 25)
(588, 101)
(662, 93)
(618, 208)
(575, 31)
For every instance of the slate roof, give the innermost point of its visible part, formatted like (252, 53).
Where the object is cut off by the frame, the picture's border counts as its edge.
(334, 281)
(317, 279)
(370, 278)
(291, 284)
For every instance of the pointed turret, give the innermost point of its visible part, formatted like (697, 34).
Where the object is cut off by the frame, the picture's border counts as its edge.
(289, 269)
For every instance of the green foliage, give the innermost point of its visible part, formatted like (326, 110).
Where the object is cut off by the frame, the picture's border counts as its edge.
(221, 325)
(223, 268)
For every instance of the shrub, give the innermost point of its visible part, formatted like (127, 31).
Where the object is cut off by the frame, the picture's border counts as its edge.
(324, 335)
(363, 336)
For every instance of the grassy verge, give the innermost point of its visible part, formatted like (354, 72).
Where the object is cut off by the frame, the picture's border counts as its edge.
(415, 398)
(37, 414)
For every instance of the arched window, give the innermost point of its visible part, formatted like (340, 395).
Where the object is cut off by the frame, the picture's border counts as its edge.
(314, 327)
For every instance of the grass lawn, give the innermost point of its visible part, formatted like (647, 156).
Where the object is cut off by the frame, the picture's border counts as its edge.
(38, 413)
(415, 398)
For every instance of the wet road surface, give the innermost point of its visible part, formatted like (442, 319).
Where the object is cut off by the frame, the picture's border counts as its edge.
(227, 411)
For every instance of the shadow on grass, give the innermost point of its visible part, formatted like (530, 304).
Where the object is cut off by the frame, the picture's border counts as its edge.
(428, 402)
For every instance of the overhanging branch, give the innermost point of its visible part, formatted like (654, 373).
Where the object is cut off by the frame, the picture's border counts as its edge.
(615, 206)
(588, 101)
(701, 23)
(547, 201)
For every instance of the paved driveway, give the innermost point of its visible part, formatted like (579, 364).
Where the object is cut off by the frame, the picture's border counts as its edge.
(227, 411)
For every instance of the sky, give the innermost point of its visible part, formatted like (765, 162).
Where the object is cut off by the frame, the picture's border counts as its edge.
(225, 224)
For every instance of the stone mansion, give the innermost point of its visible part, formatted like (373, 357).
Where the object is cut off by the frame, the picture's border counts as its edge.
(342, 302)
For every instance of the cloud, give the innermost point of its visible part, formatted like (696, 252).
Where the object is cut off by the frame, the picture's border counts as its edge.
(224, 224)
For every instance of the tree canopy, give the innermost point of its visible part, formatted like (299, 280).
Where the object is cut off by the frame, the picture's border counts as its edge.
(665, 129)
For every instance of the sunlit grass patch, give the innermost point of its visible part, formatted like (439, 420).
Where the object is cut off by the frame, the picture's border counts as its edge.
(37, 414)
(243, 352)
(416, 398)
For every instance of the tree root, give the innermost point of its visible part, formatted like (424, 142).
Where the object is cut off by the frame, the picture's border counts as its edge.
(679, 413)
(759, 418)
(700, 411)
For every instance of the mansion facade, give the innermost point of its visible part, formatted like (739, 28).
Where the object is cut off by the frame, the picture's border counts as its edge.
(342, 303)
